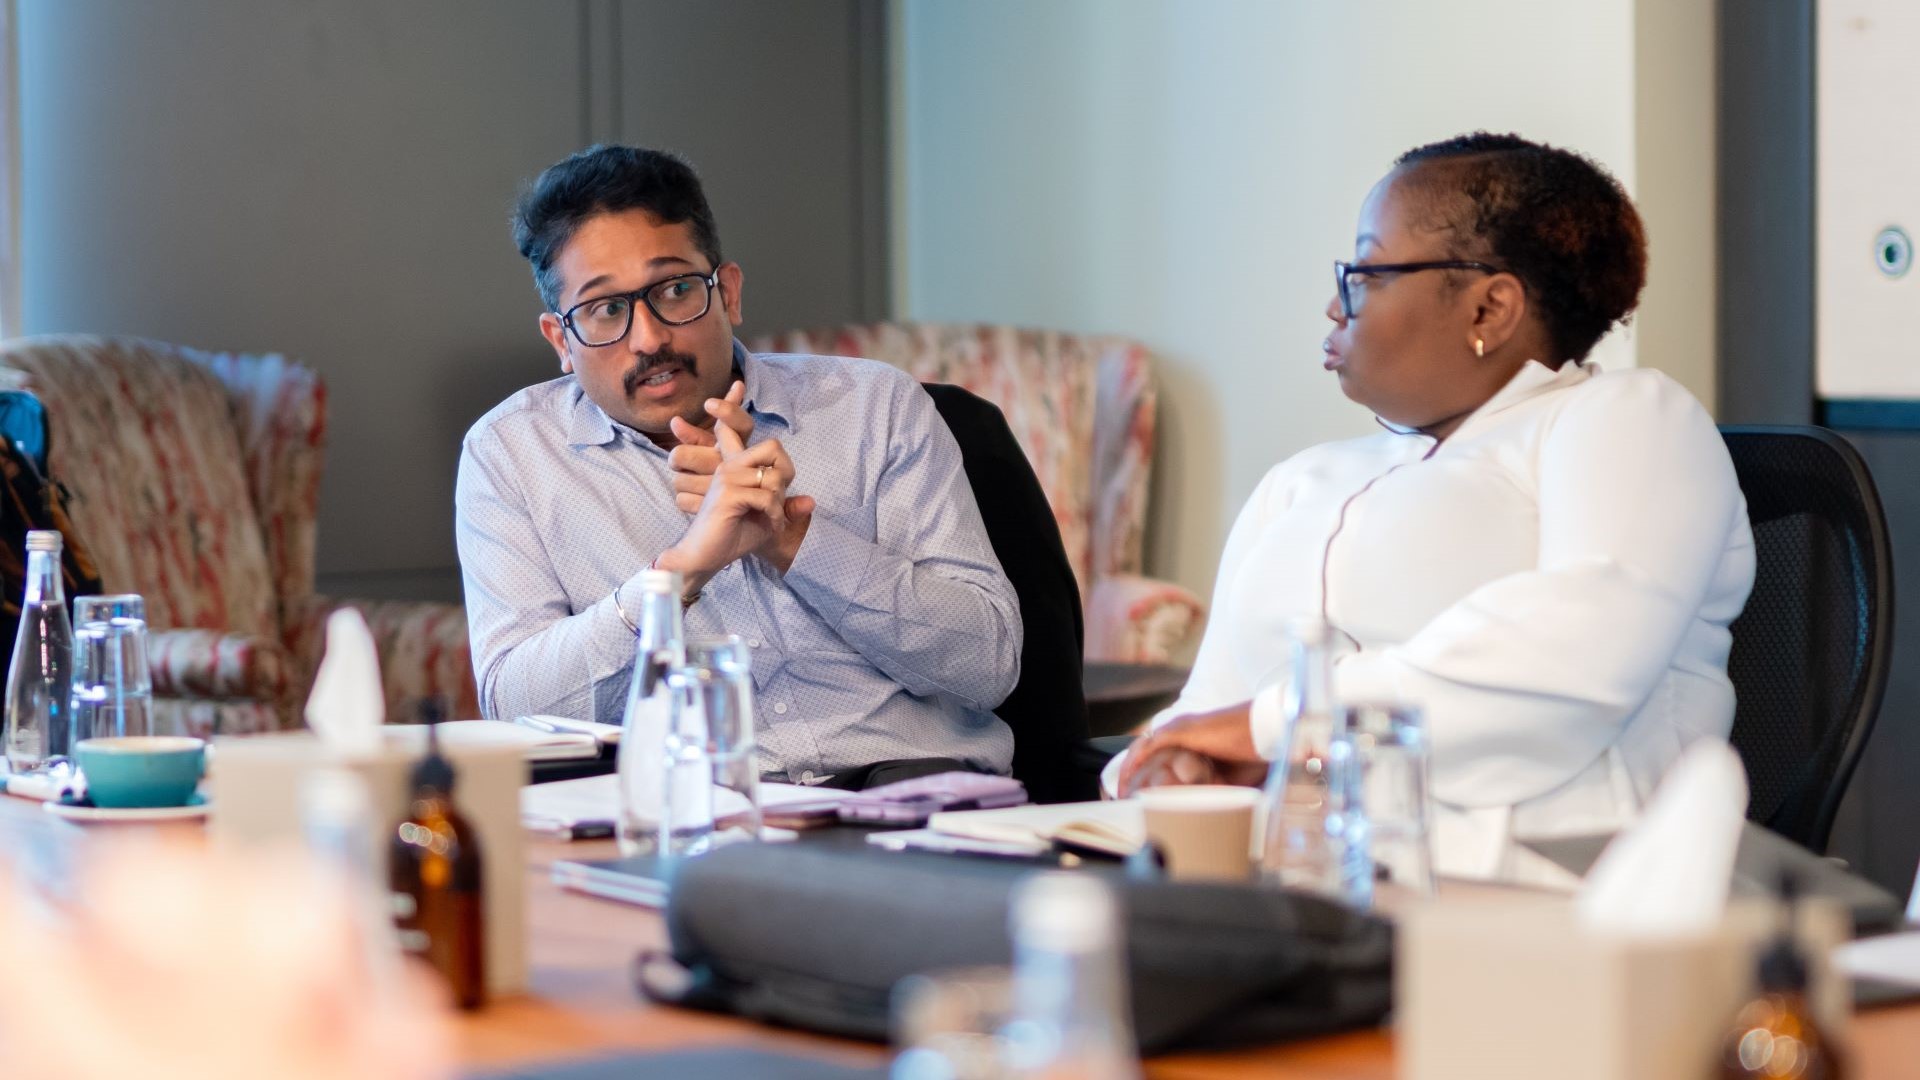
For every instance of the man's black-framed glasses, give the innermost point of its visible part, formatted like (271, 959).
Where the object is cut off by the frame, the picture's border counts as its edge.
(676, 301)
(1353, 295)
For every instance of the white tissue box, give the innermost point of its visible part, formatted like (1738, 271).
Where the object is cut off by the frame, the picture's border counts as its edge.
(254, 795)
(1495, 987)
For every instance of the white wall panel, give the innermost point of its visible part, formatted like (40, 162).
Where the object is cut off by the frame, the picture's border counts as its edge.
(1185, 173)
(1867, 182)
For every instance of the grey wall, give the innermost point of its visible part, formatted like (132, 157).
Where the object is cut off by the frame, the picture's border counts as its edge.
(1767, 317)
(331, 179)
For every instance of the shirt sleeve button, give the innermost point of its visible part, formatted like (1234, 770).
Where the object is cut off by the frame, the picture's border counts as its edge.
(780, 708)
(753, 643)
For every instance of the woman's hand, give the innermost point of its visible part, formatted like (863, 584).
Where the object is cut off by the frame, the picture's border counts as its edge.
(1199, 748)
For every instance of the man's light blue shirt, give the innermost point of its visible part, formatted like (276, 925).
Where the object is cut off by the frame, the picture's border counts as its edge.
(893, 634)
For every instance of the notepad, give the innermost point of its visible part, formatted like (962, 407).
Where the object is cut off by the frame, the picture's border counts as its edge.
(567, 804)
(607, 734)
(1115, 827)
(533, 745)
(1894, 958)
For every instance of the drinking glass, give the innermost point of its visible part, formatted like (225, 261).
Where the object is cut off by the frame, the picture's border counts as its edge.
(686, 796)
(112, 687)
(723, 684)
(1390, 741)
(946, 1025)
(92, 609)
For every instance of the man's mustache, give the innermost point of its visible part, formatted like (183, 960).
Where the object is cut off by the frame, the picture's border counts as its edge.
(648, 365)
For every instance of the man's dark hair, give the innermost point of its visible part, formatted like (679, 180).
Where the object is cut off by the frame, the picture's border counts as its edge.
(606, 180)
(1553, 218)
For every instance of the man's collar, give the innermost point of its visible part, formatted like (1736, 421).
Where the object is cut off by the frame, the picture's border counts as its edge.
(587, 425)
(768, 396)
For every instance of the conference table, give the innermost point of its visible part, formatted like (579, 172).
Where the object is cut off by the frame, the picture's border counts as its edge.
(580, 1000)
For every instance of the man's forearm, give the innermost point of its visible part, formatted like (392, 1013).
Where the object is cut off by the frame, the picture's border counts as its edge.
(571, 667)
(955, 634)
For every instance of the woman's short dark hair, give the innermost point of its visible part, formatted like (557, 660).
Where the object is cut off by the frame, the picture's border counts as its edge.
(1554, 218)
(607, 180)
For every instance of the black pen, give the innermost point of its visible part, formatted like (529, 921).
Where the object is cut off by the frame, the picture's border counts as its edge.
(587, 829)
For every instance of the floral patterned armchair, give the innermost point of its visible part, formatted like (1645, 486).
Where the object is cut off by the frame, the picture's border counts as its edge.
(1083, 410)
(194, 480)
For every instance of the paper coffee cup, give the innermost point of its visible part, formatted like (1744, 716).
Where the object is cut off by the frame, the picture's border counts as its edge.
(1205, 831)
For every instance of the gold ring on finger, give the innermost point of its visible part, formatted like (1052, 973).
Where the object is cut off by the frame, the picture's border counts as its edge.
(760, 478)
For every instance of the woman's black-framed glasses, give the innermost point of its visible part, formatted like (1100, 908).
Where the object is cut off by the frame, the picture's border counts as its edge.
(1351, 297)
(676, 301)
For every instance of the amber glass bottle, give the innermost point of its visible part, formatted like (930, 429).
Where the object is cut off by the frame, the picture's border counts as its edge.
(1775, 1036)
(437, 881)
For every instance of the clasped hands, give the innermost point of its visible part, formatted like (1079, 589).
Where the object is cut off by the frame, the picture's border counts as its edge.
(737, 495)
(1213, 747)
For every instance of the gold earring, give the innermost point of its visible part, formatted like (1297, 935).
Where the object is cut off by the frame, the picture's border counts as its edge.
(1479, 346)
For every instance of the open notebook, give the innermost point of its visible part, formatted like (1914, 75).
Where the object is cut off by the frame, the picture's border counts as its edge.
(1114, 827)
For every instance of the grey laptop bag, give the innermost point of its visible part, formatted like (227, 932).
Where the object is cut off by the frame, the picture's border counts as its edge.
(816, 935)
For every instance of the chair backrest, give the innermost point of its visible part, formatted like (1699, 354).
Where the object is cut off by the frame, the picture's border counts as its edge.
(1810, 652)
(1081, 406)
(166, 451)
(1048, 708)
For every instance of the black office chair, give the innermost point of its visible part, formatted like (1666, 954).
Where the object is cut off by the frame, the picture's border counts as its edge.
(1047, 709)
(1810, 653)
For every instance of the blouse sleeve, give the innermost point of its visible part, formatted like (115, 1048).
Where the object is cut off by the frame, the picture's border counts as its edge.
(1214, 681)
(1527, 680)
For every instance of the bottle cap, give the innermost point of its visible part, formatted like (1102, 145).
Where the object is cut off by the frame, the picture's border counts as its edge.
(1782, 967)
(45, 540)
(1064, 911)
(659, 581)
(434, 770)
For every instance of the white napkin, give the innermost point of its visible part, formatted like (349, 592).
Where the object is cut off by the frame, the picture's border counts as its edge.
(41, 786)
(1668, 875)
(348, 705)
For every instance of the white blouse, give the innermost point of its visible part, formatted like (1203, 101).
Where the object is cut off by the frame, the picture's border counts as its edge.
(1552, 584)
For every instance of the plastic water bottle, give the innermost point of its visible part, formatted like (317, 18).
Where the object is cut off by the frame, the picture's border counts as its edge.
(1316, 834)
(39, 678)
(659, 650)
(1071, 1009)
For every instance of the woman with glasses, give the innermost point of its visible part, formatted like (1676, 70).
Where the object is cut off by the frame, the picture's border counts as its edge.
(1542, 556)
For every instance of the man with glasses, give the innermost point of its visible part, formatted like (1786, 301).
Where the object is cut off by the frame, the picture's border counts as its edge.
(815, 506)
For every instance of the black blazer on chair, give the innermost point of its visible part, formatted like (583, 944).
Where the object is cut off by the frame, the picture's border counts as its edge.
(1048, 708)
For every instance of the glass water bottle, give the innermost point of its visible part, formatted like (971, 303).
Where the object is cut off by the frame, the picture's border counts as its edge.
(39, 678)
(659, 650)
(1315, 833)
